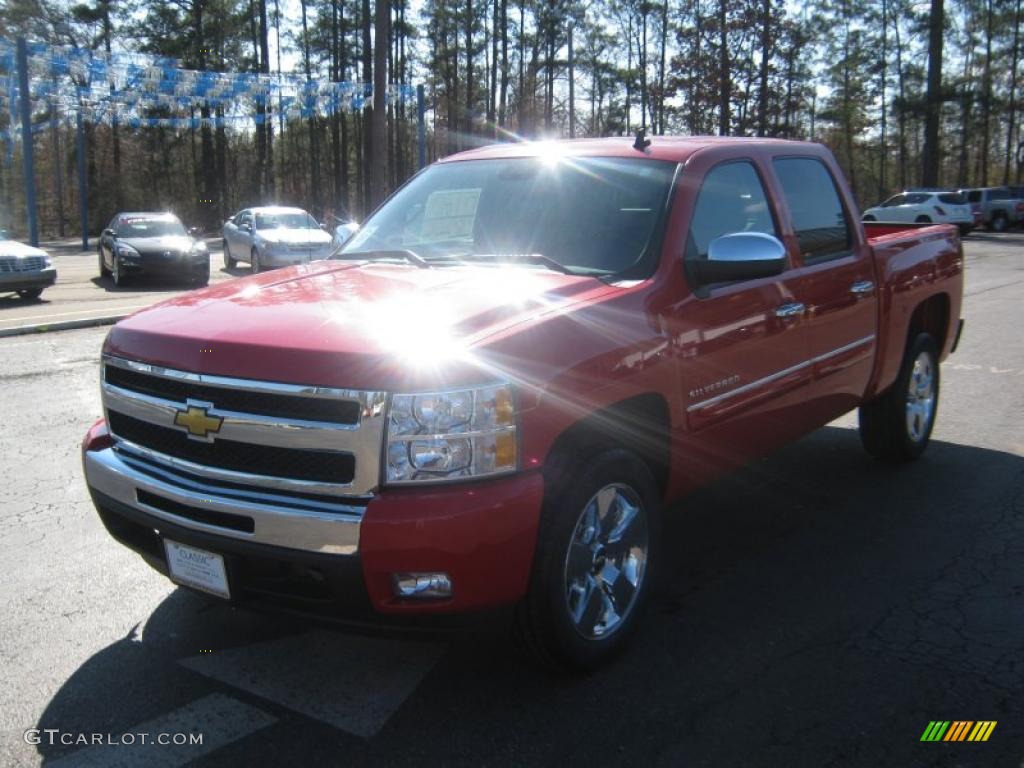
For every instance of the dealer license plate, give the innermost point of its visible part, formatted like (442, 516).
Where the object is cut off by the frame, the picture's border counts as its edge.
(197, 568)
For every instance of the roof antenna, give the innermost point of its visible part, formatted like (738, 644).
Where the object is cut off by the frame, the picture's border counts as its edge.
(641, 143)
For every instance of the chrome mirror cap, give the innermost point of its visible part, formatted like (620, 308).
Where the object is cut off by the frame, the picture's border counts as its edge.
(746, 246)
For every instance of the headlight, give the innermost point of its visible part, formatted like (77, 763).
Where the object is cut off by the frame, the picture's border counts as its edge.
(452, 435)
(199, 247)
(125, 250)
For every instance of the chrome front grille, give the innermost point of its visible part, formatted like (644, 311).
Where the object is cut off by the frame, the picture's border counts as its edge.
(23, 264)
(300, 441)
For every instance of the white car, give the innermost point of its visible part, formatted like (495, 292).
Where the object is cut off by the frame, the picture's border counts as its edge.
(274, 236)
(24, 270)
(924, 207)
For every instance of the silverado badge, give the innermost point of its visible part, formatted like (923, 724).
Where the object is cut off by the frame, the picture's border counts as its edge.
(199, 424)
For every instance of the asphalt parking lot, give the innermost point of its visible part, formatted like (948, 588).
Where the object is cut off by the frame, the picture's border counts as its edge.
(81, 296)
(819, 609)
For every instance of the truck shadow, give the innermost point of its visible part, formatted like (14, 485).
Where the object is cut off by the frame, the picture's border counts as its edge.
(814, 589)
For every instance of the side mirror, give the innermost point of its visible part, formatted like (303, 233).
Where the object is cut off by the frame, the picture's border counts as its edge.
(245, 227)
(740, 256)
(109, 233)
(344, 232)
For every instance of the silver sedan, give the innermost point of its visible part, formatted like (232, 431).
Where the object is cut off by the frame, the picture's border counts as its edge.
(274, 236)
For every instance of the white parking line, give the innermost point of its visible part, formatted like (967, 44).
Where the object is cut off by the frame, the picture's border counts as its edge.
(99, 311)
(353, 683)
(219, 718)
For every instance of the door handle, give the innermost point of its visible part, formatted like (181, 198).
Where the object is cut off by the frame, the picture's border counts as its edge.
(793, 309)
(862, 288)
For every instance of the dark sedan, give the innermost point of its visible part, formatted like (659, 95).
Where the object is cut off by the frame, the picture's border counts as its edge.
(154, 244)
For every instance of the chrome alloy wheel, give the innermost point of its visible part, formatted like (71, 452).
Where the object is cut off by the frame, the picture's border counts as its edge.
(607, 561)
(920, 397)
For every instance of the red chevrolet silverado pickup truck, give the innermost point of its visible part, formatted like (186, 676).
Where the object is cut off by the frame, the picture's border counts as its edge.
(487, 397)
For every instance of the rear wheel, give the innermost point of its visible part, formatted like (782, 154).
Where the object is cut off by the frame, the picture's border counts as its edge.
(898, 425)
(923, 220)
(592, 571)
(30, 294)
(229, 263)
(999, 221)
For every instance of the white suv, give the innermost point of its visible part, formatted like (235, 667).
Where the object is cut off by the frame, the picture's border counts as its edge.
(925, 207)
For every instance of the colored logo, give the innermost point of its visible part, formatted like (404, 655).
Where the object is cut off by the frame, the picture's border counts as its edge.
(958, 730)
(198, 423)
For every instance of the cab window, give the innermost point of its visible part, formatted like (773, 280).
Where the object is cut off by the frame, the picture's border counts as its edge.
(819, 219)
(731, 199)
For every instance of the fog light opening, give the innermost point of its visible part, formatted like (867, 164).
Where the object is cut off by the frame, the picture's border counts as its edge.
(423, 586)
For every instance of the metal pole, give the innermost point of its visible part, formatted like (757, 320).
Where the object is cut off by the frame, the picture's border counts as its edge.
(28, 166)
(83, 190)
(421, 126)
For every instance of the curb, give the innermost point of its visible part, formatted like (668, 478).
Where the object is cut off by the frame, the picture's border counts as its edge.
(64, 325)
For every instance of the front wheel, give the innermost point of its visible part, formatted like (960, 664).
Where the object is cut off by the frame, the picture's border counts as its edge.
(999, 222)
(254, 262)
(116, 274)
(104, 272)
(869, 217)
(229, 263)
(596, 551)
(30, 294)
(923, 220)
(898, 425)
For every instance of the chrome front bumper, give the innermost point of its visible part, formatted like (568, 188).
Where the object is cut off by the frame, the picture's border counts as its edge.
(310, 525)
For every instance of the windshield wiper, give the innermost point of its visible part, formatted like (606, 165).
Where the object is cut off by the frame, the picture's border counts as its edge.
(530, 258)
(384, 253)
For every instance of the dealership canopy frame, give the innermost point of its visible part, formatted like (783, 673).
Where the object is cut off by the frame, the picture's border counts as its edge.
(123, 89)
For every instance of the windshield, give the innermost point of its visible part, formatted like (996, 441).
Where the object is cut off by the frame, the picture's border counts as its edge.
(287, 220)
(590, 215)
(163, 227)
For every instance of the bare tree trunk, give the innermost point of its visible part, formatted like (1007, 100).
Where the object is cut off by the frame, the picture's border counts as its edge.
(366, 171)
(766, 52)
(932, 153)
(986, 99)
(883, 155)
(661, 68)
(502, 101)
(1012, 107)
(378, 162)
(724, 81)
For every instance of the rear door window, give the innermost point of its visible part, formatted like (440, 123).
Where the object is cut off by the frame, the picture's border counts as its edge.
(819, 219)
(952, 198)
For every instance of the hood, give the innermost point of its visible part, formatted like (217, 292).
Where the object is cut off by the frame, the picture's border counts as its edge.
(166, 243)
(16, 249)
(316, 236)
(361, 325)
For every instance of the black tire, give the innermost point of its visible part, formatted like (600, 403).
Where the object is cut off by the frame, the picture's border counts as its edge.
(30, 294)
(104, 272)
(544, 624)
(116, 274)
(229, 263)
(884, 422)
(923, 220)
(254, 262)
(999, 222)
(203, 278)
(869, 217)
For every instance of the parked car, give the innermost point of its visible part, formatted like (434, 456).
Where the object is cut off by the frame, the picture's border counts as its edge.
(998, 206)
(925, 207)
(153, 244)
(274, 236)
(490, 395)
(24, 270)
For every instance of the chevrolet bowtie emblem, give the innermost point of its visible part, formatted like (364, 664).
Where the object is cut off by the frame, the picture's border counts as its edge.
(198, 423)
